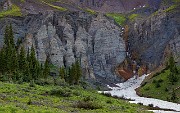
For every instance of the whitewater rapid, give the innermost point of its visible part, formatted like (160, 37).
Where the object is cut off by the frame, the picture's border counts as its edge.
(127, 90)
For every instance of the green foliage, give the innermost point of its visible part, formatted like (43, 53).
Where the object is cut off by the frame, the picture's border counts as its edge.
(33, 64)
(173, 96)
(63, 92)
(46, 70)
(119, 18)
(22, 98)
(172, 78)
(56, 7)
(162, 85)
(72, 74)
(62, 72)
(176, 1)
(91, 11)
(133, 16)
(171, 8)
(13, 11)
(17, 66)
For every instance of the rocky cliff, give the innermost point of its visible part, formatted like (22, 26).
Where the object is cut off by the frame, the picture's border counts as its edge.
(151, 37)
(69, 36)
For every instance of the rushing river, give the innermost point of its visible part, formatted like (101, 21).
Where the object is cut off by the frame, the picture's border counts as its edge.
(127, 90)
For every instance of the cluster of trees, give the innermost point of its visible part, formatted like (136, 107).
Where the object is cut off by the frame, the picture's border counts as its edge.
(18, 65)
(72, 74)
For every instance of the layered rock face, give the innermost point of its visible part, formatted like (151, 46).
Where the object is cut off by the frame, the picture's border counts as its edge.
(67, 37)
(150, 37)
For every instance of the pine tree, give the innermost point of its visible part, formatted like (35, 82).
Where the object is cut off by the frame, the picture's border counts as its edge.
(78, 72)
(2, 61)
(6, 36)
(22, 59)
(27, 75)
(41, 70)
(14, 60)
(172, 65)
(11, 36)
(46, 70)
(62, 72)
(28, 56)
(71, 74)
(33, 64)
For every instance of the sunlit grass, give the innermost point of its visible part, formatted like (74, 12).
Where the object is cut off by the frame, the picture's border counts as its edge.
(133, 16)
(56, 7)
(22, 98)
(160, 87)
(119, 18)
(13, 11)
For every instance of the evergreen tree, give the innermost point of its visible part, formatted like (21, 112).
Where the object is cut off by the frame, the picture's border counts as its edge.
(28, 56)
(27, 75)
(172, 65)
(33, 64)
(22, 60)
(173, 78)
(6, 36)
(38, 69)
(2, 61)
(62, 72)
(46, 70)
(11, 36)
(78, 72)
(14, 60)
(71, 74)
(41, 68)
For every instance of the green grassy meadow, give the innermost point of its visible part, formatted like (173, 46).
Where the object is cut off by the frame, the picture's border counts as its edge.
(27, 98)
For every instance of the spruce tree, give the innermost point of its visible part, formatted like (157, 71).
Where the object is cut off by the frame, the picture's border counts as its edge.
(2, 61)
(6, 36)
(28, 56)
(33, 63)
(172, 65)
(62, 72)
(11, 36)
(78, 72)
(46, 70)
(41, 70)
(71, 74)
(22, 60)
(14, 60)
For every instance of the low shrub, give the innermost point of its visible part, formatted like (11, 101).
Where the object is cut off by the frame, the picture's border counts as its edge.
(109, 102)
(154, 81)
(107, 94)
(88, 105)
(147, 89)
(88, 98)
(150, 105)
(140, 103)
(157, 85)
(160, 80)
(29, 102)
(63, 92)
(166, 89)
(32, 84)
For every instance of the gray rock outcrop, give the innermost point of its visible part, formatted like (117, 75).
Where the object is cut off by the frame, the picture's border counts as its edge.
(149, 37)
(67, 37)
